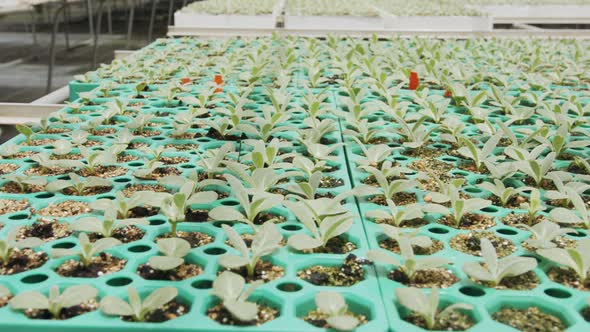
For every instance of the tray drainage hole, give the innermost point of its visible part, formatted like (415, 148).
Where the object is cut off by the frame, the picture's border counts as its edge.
(30, 161)
(44, 195)
(473, 190)
(558, 293)
(579, 233)
(34, 279)
(64, 245)
(48, 147)
(230, 203)
(158, 138)
(289, 287)
(140, 248)
(123, 180)
(506, 231)
(118, 282)
(157, 222)
(472, 291)
(291, 228)
(107, 197)
(135, 164)
(490, 209)
(401, 158)
(188, 166)
(219, 223)
(449, 159)
(459, 172)
(203, 139)
(66, 177)
(202, 284)
(215, 251)
(20, 216)
(438, 230)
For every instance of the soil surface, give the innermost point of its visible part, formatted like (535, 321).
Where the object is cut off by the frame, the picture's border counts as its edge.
(531, 319)
(102, 264)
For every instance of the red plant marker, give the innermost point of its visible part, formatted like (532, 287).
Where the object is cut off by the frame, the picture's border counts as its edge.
(218, 79)
(185, 80)
(414, 80)
(448, 93)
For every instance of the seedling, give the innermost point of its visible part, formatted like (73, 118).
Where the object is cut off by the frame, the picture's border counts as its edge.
(87, 249)
(410, 264)
(499, 190)
(252, 202)
(495, 270)
(412, 237)
(26, 131)
(334, 306)
(175, 206)
(174, 250)
(479, 156)
(97, 158)
(78, 184)
(534, 206)
(322, 227)
(10, 243)
(396, 215)
(123, 205)
(543, 234)
(427, 306)
(264, 243)
(576, 259)
(459, 207)
(56, 302)
(229, 287)
(136, 308)
(106, 226)
(25, 181)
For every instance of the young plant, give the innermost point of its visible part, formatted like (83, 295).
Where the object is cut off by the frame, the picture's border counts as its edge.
(212, 162)
(323, 223)
(56, 302)
(427, 306)
(534, 206)
(374, 154)
(307, 189)
(414, 135)
(174, 250)
(156, 153)
(412, 237)
(46, 163)
(139, 122)
(229, 287)
(396, 215)
(175, 206)
(569, 216)
(87, 249)
(459, 207)
(10, 243)
(264, 243)
(334, 306)
(149, 167)
(137, 309)
(543, 234)
(537, 169)
(386, 187)
(480, 156)
(123, 205)
(106, 226)
(97, 158)
(26, 131)
(260, 179)
(266, 154)
(252, 203)
(495, 270)
(499, 190)
(78, 184)
(576, 259)
(24, 182)
(410, 264)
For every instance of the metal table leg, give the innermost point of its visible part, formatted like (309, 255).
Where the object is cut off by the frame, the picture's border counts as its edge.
(170, 9)
(97, 33)
(152, 19)
(90, 12)
(56, 15)
(66, 20)
(110, 17)
(130, 23)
